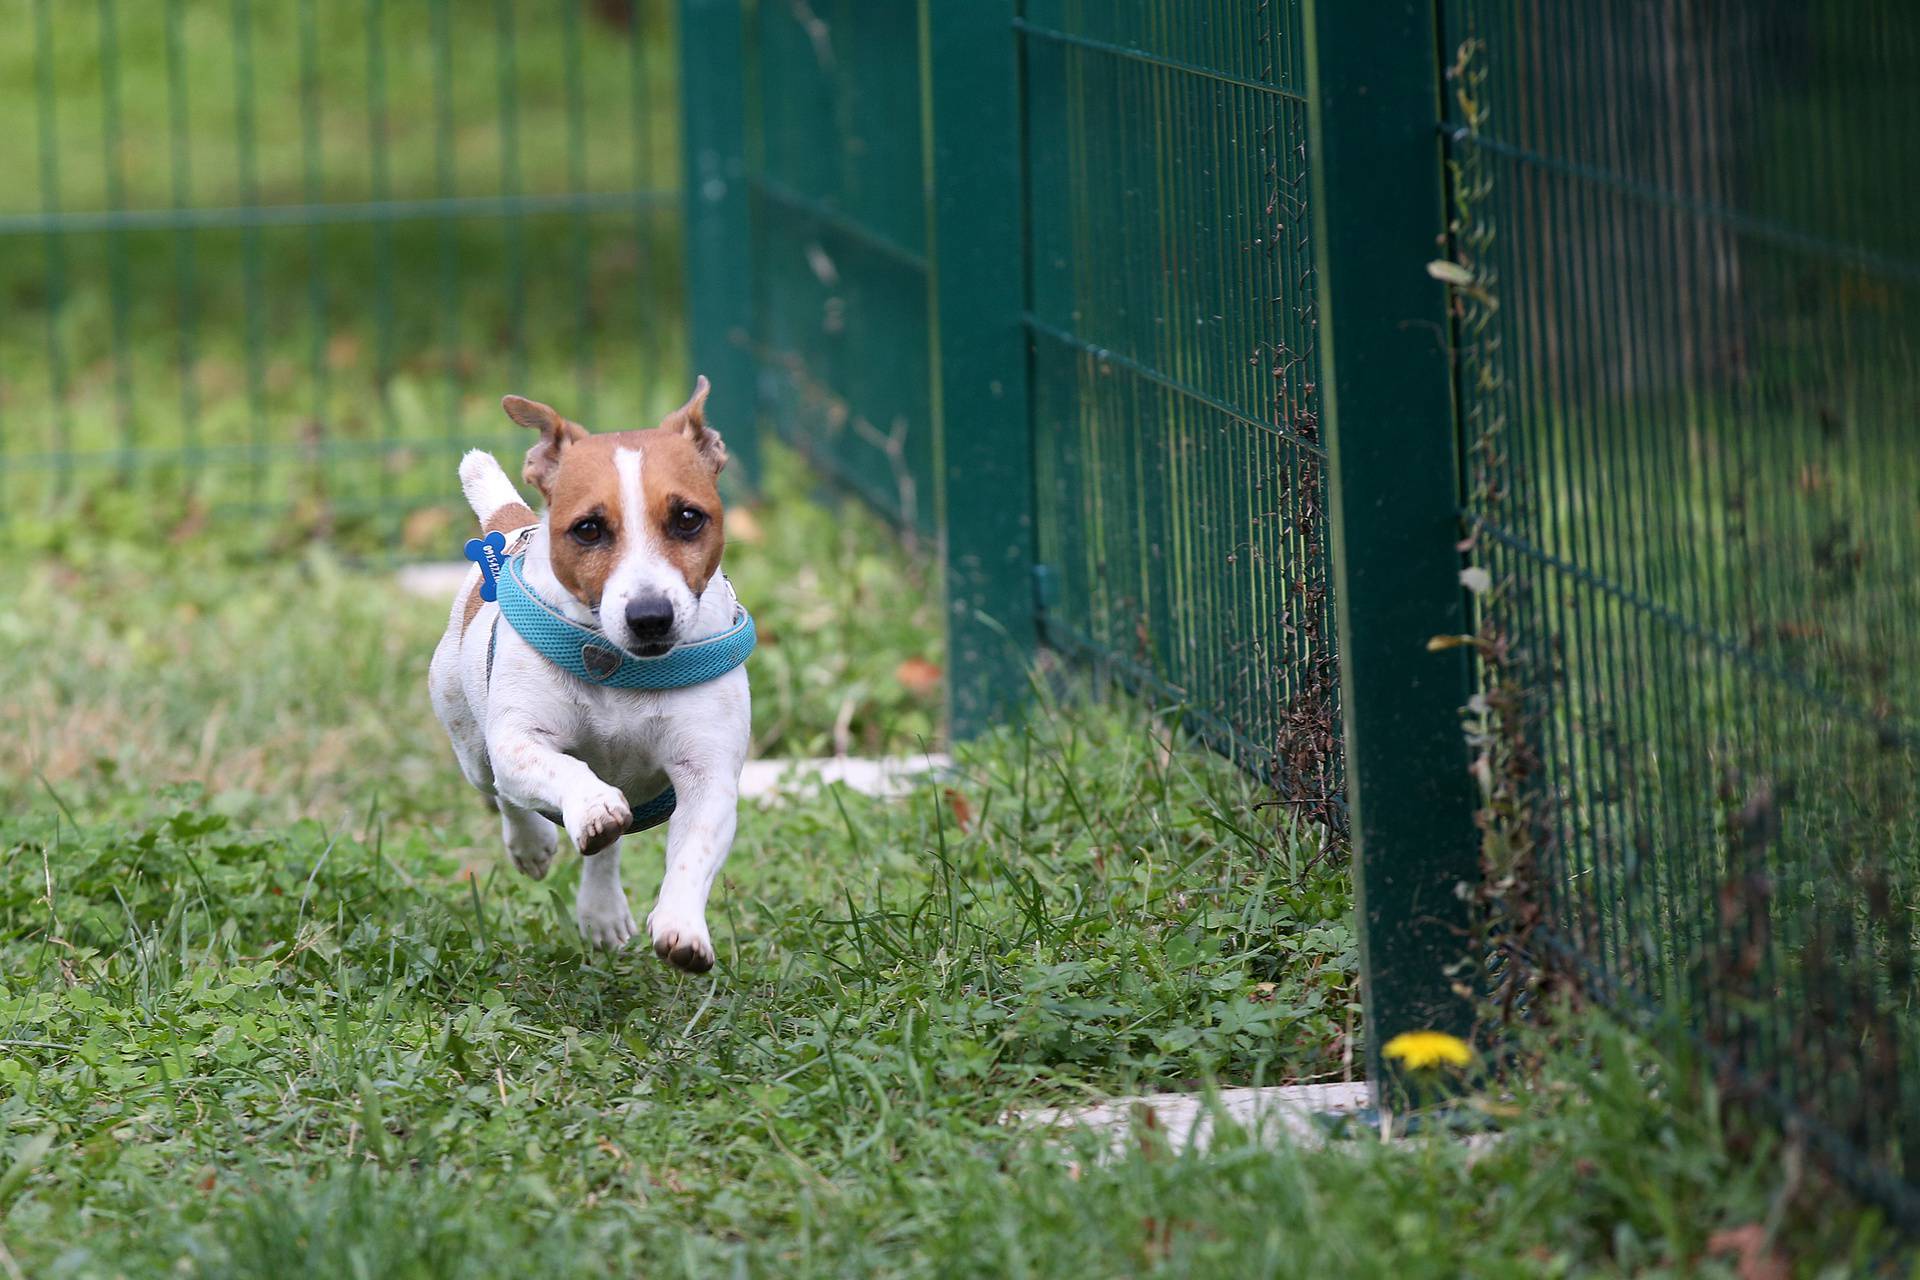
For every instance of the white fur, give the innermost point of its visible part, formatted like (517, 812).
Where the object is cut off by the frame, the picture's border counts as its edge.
(485, 484)
(536, 738)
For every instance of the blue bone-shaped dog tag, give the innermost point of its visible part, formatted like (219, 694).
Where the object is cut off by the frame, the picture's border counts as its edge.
(486, 553)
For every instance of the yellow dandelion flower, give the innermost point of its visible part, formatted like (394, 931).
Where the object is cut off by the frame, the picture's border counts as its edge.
(1419, 1050)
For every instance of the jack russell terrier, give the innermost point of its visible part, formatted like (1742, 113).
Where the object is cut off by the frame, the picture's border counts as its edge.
(591, 675)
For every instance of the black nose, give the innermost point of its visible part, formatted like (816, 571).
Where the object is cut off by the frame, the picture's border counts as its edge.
(649, 616)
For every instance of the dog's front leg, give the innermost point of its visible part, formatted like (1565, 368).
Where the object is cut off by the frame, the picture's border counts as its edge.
(699, 835)
(529, 771)
(528, 836)
(600, 905)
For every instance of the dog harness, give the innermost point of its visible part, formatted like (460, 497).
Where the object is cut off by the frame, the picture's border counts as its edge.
(585, 653)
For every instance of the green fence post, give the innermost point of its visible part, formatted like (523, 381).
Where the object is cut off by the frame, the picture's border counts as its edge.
(719, 264)
(1387, 408)
(983, 449)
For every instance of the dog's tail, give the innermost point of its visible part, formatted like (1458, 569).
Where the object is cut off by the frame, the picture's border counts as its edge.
(492, 495)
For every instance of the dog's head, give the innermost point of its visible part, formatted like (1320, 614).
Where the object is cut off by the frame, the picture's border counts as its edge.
(633, 517)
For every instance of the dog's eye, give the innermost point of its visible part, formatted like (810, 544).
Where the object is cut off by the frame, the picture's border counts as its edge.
(687, 522)
(588, 531)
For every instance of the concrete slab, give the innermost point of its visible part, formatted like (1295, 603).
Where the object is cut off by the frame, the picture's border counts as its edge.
(886, 777)
(1187, 1121)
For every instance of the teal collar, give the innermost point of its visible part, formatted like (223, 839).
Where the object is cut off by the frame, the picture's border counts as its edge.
(585, 652)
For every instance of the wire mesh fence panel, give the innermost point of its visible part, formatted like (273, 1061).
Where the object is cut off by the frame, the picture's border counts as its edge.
(1690, 334)
(1180, 475)
(834, 139)
(273, 259)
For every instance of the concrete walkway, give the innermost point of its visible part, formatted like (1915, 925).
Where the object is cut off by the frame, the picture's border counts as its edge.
(1281, 1111)
(885, 777)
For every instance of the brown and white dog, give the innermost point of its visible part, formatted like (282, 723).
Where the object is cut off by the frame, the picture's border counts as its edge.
(630, 543)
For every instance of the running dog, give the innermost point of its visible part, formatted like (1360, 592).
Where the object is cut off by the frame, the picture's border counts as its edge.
(619, 577)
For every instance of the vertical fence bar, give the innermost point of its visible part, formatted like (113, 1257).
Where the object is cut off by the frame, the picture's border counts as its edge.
(507, 77)
(180, 152)
(380, 169)
(719, 265)
(246, 160)
(313, 188)
(1387, 409)
(55, 240)
(578, 226)
(651, 344)
(119, 288)
(445, 166)
(983, 447)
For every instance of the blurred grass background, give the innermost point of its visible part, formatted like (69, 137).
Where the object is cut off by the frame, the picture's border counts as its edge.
(283, 259)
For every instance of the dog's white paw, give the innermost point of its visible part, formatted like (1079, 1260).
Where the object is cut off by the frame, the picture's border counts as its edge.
(603, 915)
(681, 940)
(531, 841)
(595, 819)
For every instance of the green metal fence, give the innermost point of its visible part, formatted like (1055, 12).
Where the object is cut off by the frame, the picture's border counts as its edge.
(284, 257)
(1691, 364)
(1168, 307)
(1180, 501)
(821, 133)
(1559, 396)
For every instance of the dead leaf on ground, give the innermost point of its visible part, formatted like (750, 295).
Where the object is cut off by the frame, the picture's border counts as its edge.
(918, 676)
(1754, 1256)
(962, 809)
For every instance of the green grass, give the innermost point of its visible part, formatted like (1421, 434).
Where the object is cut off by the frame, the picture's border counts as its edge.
(271, 1004)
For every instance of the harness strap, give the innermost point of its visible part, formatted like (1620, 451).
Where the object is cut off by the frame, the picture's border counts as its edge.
(516, 544)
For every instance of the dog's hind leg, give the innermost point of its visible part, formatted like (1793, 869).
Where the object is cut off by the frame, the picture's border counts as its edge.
(529, 837)
(601, 907)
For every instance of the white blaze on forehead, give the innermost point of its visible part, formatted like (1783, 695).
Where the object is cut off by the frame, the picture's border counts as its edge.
(642, 568)
(633, 496)
(641, 564)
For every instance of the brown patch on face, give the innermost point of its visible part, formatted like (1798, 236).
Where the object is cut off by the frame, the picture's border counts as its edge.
(585, 491)
(678, 479)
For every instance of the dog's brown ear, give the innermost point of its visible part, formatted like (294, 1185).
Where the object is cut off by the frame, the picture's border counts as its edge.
(556, 433)
(690, 420)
